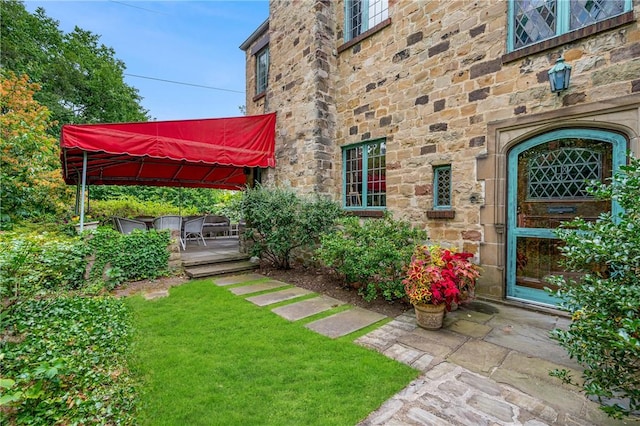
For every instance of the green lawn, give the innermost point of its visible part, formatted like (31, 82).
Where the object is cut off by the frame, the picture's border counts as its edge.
(208, 357)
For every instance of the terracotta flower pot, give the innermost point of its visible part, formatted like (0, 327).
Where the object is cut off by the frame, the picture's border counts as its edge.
(429, 316)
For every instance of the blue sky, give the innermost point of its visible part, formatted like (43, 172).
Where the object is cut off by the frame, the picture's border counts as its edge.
(194, 42)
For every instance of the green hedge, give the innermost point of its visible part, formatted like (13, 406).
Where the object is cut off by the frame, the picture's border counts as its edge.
(32, 264)
(128, 257)
(371, 255)
(64, 362)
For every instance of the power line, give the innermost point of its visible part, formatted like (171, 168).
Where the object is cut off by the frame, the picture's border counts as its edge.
(138, 7)
(183, 83)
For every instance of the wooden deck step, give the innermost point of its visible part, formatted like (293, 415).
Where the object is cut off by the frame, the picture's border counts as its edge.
(215, 269)
(214, 258)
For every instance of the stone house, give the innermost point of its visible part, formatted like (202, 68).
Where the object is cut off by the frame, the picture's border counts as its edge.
(441, 113)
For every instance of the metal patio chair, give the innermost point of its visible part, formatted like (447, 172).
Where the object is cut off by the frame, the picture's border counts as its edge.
(126, 226)
(192, 228)
(172, 223)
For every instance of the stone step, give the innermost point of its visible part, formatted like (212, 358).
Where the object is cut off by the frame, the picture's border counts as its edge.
(214, 258)
(214, 269)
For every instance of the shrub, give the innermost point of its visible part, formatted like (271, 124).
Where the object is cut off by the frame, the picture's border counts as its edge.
(191, 199)
(64, 362)
(604, 335)
(128, 257)
(32, 264)
(129, 206)
(279, 221)
(372, 255)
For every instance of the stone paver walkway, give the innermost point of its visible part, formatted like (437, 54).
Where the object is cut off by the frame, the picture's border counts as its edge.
(488, 365)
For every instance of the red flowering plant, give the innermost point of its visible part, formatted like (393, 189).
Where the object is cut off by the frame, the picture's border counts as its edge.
(437, 275)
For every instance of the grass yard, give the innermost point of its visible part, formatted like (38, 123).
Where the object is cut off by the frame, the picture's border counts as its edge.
(208, 357)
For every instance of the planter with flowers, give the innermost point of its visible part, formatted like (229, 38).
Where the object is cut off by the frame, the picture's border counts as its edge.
(437, 278)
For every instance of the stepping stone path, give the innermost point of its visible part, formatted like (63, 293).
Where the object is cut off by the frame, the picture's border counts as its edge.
(333, 326)
(237, 279)
(306, 308)
(255, 288)
(345, 322)
(278, 296)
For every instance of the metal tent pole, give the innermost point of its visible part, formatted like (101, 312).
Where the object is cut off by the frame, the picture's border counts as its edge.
(84, 185)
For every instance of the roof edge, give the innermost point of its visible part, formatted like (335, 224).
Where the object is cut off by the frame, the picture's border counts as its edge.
(255, 35)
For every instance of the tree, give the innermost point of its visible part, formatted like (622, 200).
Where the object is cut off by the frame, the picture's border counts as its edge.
(604, 335)
(81, 80)
(31, 182)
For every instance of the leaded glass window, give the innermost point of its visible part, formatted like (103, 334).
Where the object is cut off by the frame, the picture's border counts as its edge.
(562, 173)
(587, 12)
(442, 187)
(532, 21)
(365, 175)
(262, 70)
(361, 15)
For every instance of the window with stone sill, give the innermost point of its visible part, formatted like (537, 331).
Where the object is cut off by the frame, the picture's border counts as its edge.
(364, 175)
(262, 70)
(361, 15)
(532, 21)
(442, 187)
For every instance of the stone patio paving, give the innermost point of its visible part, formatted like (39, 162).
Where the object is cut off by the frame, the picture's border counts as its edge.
(488, 365)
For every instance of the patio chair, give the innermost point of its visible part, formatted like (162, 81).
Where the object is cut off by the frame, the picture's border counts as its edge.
(216, 225)
(172, 223)
(192, 228)
(126, 226)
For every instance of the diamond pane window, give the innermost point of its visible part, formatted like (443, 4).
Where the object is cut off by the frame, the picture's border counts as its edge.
(361, 15)
(532, 21)
(365, 175)
(442, 187)
(587, 12)
(562, 173)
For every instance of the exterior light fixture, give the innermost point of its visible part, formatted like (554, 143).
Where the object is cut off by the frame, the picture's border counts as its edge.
(559, 76)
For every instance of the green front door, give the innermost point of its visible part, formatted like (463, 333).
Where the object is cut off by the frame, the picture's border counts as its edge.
(547, 183)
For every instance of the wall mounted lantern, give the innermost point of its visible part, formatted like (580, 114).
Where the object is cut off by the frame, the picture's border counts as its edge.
(559, 76)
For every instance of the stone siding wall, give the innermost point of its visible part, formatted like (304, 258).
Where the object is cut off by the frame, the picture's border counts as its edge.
(433, 82)
(302, 58)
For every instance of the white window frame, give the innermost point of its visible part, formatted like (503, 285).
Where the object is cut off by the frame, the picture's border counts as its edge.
(372, 13)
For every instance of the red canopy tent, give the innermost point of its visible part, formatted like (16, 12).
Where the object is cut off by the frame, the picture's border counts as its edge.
(209, 153)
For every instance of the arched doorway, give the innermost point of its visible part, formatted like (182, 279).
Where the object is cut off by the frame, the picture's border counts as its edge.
(546, 184)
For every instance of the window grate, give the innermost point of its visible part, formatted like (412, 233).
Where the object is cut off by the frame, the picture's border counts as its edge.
(442, 184)
(562, 173)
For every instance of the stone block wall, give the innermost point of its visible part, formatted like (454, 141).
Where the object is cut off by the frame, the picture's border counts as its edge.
(302, 58)
(437, 82)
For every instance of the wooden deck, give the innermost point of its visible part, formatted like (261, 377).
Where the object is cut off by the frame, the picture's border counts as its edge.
(221, 256)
